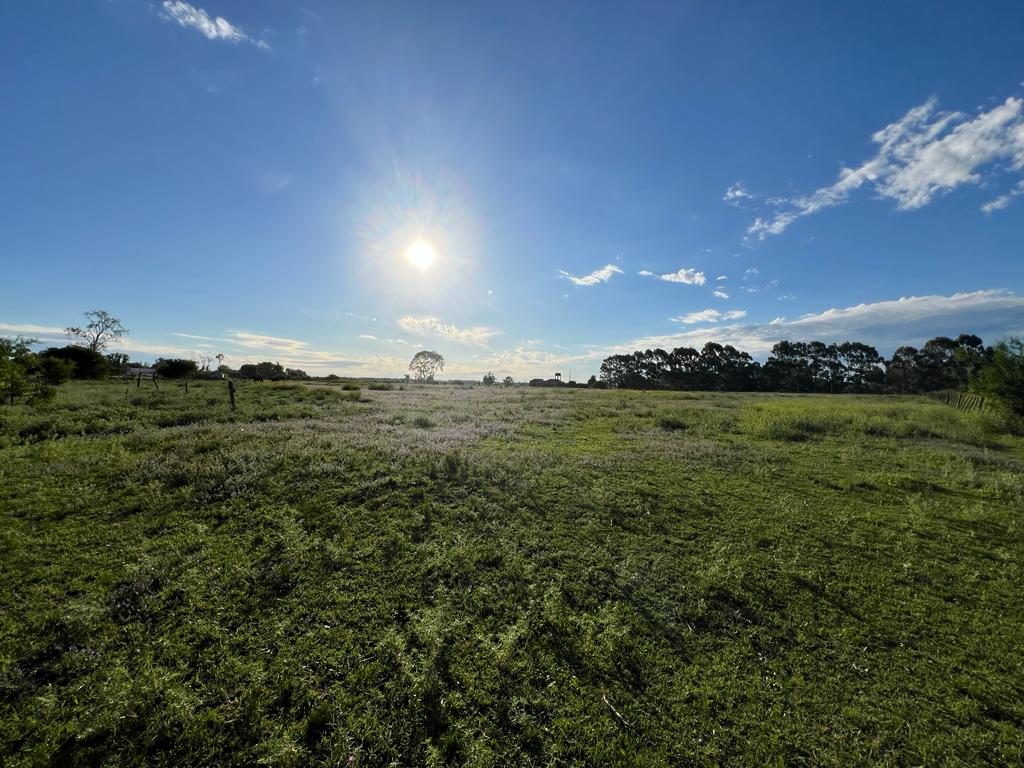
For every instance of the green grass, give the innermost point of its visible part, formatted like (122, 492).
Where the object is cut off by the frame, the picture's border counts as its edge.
(492, 577)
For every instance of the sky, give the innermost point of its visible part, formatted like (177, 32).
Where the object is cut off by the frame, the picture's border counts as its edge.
(524, 187)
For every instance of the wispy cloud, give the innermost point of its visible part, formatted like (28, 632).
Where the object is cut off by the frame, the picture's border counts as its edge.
(213, 28)
(719, 293)
(200, 338)
(1003, 201)
(431, 326)
(687, 276)
(368, 336)
(260, 341)
(29, 330)
(710, 316)
(924, 154)
(736, 194)
(602, 275)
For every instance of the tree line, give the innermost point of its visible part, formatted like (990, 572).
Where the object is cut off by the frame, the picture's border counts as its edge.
(813, 366)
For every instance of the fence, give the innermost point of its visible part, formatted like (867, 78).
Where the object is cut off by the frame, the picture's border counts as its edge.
(964, 401)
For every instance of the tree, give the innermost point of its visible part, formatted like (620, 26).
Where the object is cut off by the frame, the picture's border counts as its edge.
(1002, 378)
(490, 379)
(118, 362)
(23, 373)
(863, 366)
(15, 360)
(901, 371)
(102, 330)
(426, 364)
(264, 370)
(176, 368)
(509, 381)
(89, 364)
(55, 370)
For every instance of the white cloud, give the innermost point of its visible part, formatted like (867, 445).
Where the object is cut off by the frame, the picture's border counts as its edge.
(200, 338)
(431, 326)
(602, 275)
(1003, 201)
(260, 341)
(886, 324)
(710, 316)
(720, 294)
(213, 28)
(721, 277)
(30, 330)
(687, 276)
(924, 154)
(368, 336)
(735, 194)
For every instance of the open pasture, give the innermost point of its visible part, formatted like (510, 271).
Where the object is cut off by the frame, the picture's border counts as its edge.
(507, 576)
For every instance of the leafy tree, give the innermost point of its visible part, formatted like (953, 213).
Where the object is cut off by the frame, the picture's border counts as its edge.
(89, 364)
(176, 368)
(1002, 377)
(426, 364)
(862, 365)
(264, 370)
(789, 369)
(118, 362)
(936, 363)
(102, 330)
(15, 361)
(509, 381)
(901, 371)
(490, 379)
(970, 356)
(55, 370)
(24, 374)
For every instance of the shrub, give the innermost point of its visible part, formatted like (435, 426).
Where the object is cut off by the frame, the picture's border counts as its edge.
(1002, 378)
(176, 368)
(88, 363)
(56, 370)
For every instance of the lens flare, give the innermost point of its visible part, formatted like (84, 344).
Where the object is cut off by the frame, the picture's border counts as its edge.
(421, 255)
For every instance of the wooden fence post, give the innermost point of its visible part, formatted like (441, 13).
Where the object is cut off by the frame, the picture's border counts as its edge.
(231, 393)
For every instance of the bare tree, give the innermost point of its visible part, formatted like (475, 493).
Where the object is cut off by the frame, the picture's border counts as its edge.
(102, 330)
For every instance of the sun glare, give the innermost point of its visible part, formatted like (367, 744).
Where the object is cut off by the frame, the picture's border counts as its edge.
(420, 254)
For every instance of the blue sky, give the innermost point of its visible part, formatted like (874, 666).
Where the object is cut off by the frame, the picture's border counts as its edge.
(247, 177)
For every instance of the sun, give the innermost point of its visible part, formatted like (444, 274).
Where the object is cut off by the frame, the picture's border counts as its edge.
(421, 255)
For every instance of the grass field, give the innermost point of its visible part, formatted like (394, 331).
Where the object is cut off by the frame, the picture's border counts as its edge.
(496, 577)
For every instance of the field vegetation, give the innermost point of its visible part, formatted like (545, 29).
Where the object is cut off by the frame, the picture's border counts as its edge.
(492, 576)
